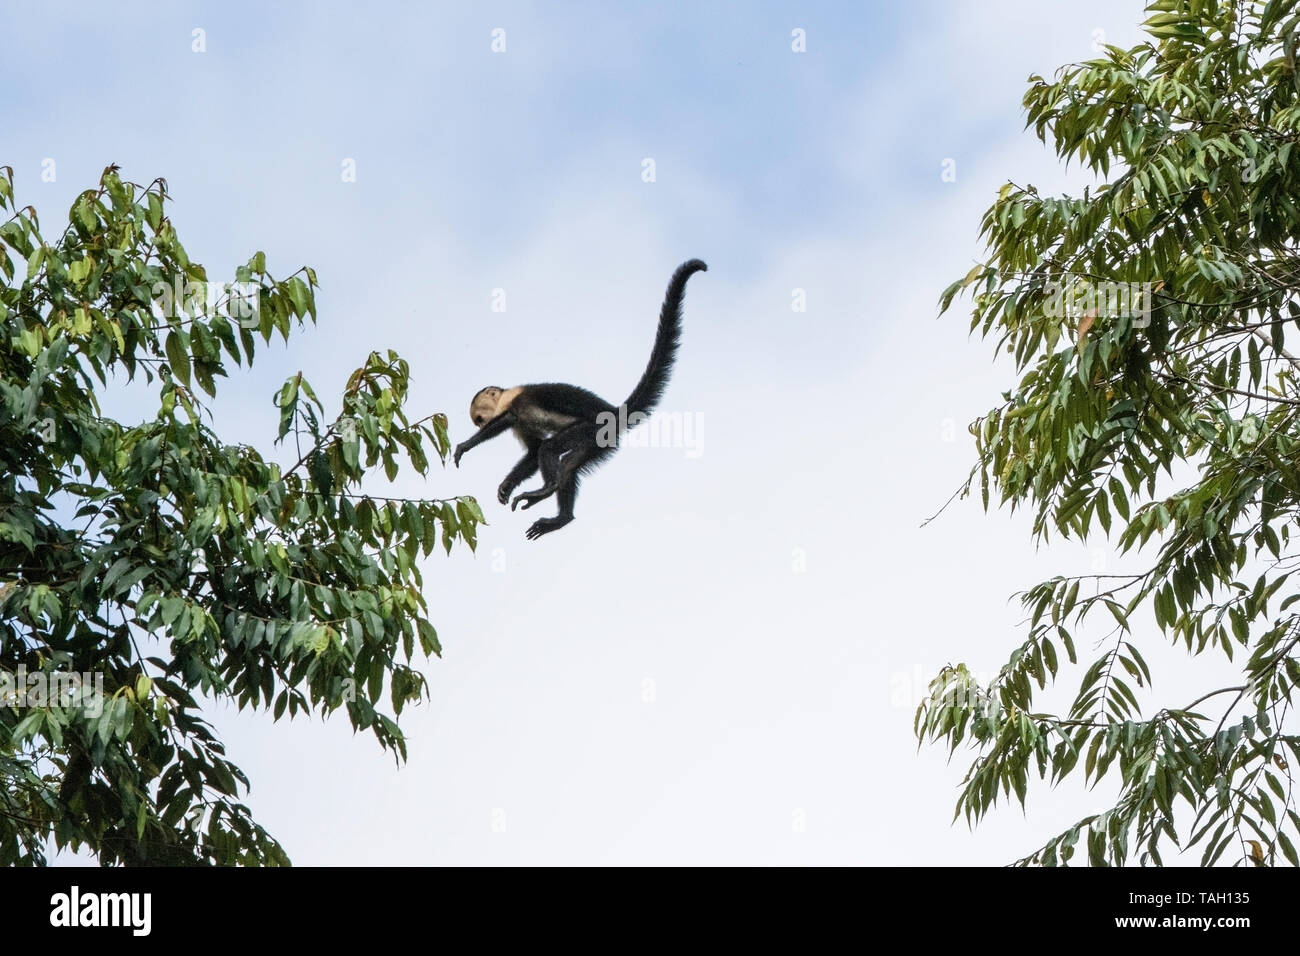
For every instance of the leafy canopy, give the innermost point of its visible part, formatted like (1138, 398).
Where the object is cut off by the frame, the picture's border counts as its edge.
(1166, 421)
(170, 566)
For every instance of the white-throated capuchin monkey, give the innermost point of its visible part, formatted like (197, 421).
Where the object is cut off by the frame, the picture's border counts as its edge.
(565, 428)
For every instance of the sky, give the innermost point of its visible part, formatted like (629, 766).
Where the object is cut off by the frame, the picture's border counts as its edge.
(719, 661)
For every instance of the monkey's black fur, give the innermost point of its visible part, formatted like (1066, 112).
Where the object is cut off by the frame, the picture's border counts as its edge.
(566, 429)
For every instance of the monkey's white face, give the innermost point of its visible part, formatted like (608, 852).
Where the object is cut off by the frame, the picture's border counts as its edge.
(484, 406)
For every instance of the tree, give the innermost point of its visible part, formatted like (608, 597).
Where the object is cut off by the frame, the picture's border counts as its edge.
(1158, 407)
(147, 566)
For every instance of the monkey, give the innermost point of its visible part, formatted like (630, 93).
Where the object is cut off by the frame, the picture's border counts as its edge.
(565, 430)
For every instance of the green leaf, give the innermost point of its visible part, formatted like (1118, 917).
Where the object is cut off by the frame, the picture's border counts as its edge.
(34, 262)
(178, 357)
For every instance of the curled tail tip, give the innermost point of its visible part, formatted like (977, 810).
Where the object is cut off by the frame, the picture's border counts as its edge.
(691, 266)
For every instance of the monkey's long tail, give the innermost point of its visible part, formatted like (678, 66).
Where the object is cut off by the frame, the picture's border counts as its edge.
(654, 380)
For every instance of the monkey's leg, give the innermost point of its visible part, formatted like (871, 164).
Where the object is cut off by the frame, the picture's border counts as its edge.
(526, 468)
(568, 493)
(559, 454)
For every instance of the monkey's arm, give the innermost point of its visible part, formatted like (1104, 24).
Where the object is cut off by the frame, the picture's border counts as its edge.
(489, 431)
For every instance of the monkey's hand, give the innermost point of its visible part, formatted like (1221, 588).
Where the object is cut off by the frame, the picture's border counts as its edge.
(530, 498)
(503, 493)
(460, 450)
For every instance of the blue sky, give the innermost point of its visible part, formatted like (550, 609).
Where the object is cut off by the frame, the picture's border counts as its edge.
(774, 597)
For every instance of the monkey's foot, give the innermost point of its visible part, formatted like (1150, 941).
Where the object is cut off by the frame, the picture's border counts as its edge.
(530, 498)
(503, 493)
(545, 526)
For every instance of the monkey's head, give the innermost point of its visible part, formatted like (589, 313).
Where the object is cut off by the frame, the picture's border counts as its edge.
(483, 408)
